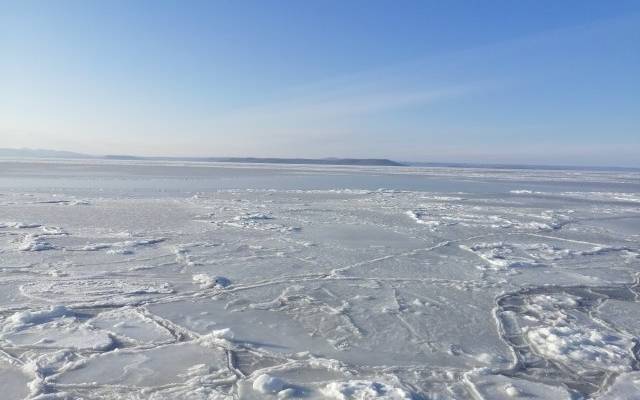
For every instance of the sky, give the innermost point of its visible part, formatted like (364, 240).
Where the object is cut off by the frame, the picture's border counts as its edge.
(527, 82)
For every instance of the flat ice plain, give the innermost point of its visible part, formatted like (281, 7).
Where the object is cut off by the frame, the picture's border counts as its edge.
(139, 280)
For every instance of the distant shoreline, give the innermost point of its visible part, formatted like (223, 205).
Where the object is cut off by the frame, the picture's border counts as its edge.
(269, 160)
(8, 154)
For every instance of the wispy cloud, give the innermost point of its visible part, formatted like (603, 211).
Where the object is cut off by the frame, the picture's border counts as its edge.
(401, 85)
(327, 105)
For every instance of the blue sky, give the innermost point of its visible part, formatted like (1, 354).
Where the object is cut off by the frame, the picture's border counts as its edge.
(553, 82)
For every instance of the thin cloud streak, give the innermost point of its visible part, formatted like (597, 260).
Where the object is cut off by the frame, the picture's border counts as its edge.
(346, 106)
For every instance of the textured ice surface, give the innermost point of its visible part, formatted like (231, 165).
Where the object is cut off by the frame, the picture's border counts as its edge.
(130, 325)
(626, 387)
(498, 387)
(175, 363)
(363, 390)
(13, 381)
(573, 339)
(205, 281)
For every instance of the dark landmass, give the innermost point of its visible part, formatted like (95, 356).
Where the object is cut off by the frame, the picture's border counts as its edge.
(41, 153)
(269, 160)
(37, 153)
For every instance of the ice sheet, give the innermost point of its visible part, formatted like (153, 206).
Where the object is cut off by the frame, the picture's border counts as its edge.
(166, 281)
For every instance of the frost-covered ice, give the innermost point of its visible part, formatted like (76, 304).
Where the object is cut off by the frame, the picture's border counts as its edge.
(363, 390)
(573, 339)
(205, 281)
(57, 327)
(266, 384)
(499, 387)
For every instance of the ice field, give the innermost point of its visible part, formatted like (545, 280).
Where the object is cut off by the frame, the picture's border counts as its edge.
(135, 280)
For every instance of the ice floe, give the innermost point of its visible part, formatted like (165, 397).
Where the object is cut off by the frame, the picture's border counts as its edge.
(57, 327)
(95, 291)
(206, 281)
(33, 242)
(497, 387)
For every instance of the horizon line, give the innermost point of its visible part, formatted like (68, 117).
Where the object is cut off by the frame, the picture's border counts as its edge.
(282, 160)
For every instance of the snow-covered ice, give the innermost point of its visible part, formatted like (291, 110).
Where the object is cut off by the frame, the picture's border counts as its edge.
(141, 280)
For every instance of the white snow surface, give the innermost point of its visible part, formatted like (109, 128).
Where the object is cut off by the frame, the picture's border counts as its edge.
(267, 384)
(360, 390)
(138, 280)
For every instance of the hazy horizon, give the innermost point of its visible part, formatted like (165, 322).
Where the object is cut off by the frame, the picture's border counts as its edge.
(512, 83)
(32, 153)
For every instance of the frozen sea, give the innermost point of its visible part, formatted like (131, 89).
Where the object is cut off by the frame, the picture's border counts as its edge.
(143, 280)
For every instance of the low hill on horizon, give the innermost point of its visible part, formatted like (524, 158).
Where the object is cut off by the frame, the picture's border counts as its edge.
(43, 153)
(40, 153)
